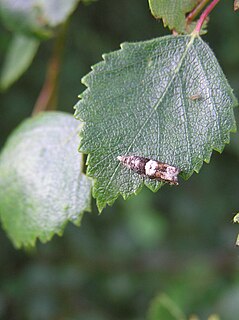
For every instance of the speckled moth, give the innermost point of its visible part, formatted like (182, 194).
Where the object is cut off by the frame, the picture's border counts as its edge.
(152, 169)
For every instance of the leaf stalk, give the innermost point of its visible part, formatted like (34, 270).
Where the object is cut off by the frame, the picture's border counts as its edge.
(195, 12)
(47, 99)
(204, 15)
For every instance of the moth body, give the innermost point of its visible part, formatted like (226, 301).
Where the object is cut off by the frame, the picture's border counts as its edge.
(152, 169)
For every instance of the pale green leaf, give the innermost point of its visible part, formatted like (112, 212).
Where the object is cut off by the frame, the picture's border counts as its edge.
(24, 17)
(213, 317)
(36, 16)
(42, 186)
(165, 99)
(19, 57)
(173, 13)
(57, 11)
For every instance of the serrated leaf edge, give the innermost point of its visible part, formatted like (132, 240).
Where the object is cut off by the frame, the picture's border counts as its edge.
(102, 204)
(169, 25)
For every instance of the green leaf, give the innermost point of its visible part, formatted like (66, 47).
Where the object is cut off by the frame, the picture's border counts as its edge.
(34, 16)
(165, 99)
(41, 181)
(19, 57)
(164, 308)
(172, 12)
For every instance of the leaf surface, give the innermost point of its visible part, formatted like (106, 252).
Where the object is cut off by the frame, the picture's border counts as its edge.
(173, 13)
(165, 99)
(19, 57)
(42, 186)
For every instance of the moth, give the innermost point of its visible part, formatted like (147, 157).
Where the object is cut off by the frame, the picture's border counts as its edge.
(152, 169)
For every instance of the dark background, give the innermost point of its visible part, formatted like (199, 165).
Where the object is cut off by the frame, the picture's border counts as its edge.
(179, 241)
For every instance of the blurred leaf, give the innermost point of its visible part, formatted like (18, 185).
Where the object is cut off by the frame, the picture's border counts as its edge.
(36, 16)
(57, 11)
(214, 317)
(165, 99)
(41, 181)
(211, 317)
(228, 306)
(24, 17)
(164, 308)
(19, 57)
(172, 12)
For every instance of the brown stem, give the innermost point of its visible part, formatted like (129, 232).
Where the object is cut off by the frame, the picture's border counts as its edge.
(47, 99)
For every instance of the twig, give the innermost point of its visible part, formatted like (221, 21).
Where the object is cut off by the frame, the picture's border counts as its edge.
(47, 99)
(195, 12)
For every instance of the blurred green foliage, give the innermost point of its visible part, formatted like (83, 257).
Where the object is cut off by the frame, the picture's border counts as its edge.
(179, 241)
